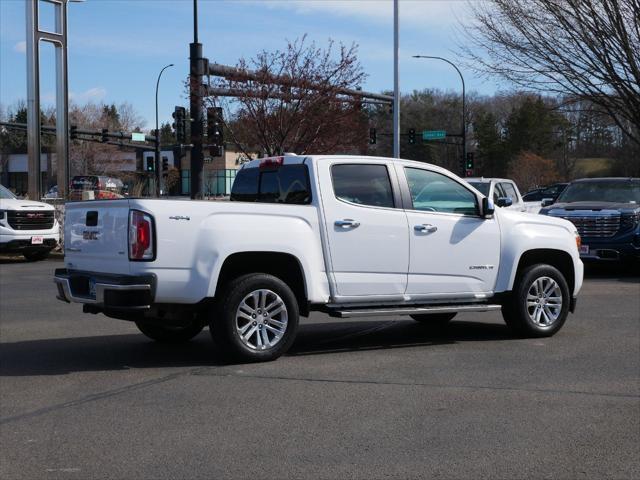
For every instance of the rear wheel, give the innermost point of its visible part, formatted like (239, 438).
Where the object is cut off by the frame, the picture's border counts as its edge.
(256, 318)
(539, 303)
(437, 319)
(34, 256)
(169, 333)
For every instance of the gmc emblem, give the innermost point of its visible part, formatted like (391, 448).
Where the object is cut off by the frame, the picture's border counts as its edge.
(89, 235)
(35, 215)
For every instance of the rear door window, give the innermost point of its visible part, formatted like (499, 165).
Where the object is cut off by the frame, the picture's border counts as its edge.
(363, 184)
(283, 184)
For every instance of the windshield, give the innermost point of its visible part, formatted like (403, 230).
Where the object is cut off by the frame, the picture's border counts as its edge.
(482, 187)
(5, 193)
(615, 191)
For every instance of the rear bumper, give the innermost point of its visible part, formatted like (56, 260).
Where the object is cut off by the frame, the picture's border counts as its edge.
(105, 292)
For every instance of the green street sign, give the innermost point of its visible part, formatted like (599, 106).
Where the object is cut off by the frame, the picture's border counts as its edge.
(137, 137)
(433, 134)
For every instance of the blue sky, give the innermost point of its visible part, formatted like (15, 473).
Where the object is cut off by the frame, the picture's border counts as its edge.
(117, 47)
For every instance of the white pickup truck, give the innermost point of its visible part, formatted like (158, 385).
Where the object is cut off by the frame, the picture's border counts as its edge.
(350, 236)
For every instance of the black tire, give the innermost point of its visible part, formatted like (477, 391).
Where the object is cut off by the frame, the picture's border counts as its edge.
(517, 312)
(35, 255)
(435, 319)
(169, 333)
(226, 333)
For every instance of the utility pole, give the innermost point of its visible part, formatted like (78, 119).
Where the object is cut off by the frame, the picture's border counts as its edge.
(196, 90)
(396, 83)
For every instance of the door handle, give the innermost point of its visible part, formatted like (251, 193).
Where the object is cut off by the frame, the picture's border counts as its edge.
(425, 228)
(347, 223)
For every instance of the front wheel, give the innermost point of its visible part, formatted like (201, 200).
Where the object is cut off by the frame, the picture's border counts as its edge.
(256, 318)
(539, 303)
(169, 333)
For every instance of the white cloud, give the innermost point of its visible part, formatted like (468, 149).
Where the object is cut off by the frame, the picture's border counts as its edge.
(414, 13)
(20, 47)
(94, 94)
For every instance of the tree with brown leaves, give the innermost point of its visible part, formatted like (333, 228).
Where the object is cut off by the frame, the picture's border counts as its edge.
(294, 102)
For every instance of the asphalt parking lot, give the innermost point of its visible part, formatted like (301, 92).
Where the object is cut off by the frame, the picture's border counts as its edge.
(89, 397)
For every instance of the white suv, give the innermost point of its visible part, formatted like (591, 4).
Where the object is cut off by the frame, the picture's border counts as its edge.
(27, 227)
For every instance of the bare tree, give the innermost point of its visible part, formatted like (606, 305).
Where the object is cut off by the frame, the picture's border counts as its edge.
(98, 158)
(585, 49)
(303, 112)
(529, 170)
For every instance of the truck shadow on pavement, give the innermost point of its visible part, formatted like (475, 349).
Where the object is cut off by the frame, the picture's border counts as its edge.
(62, 356)
(628, 272)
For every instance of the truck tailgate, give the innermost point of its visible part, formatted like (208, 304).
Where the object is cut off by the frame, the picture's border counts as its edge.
(96, 236)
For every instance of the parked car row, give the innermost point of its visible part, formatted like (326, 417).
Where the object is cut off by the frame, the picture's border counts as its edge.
(92, 187)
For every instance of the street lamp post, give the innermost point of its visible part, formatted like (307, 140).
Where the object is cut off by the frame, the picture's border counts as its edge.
(396, 80)
(157, 156)
(464, 110)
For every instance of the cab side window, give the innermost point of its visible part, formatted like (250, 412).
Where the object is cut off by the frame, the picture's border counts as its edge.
(434, 192)
(363, 184)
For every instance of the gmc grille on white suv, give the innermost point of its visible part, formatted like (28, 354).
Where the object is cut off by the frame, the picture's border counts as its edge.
(30, 219)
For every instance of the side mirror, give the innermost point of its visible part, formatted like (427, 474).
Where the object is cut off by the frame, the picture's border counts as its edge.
(488, 208)
(505, 201)
(547, 201)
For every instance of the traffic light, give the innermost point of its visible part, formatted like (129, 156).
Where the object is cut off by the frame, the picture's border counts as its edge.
(165, 164)
(73, 132)
(412, 136)
(372, 136)
(105, 135)
(469, 161)
(151, 164)
(180, 124)
(215, 135)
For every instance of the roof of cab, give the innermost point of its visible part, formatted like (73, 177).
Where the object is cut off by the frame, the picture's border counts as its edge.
(293, 159)
(487, 179)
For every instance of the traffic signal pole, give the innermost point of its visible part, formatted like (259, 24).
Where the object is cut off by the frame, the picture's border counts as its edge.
(196, 90)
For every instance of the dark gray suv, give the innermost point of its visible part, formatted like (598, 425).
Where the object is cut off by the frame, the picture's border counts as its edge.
(606, 212)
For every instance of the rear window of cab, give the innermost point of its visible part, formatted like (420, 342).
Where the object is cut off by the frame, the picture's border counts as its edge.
(274, 184)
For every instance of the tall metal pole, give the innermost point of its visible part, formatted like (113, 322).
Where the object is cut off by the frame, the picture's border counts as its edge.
(157, 142)
(464, 108)
(58, 37)
(62, 104)
(396, 83)
(33, 101)
(197, 70)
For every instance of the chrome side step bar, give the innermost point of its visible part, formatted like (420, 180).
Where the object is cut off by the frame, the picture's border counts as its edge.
(390, 311)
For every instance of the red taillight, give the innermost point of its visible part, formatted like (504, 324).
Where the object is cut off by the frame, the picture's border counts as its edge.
(271, 162)
(140, 236)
